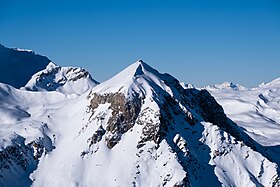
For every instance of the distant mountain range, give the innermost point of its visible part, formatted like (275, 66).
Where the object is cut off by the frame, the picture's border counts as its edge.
(139, 128)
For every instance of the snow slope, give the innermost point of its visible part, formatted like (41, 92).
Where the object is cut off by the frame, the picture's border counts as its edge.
(139, 128)
(18, 65)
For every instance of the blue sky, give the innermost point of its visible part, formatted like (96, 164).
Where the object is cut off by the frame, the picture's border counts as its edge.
(199, 42)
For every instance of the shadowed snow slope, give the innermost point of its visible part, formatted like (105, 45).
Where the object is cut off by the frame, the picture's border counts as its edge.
(17, 65)
(139, 128)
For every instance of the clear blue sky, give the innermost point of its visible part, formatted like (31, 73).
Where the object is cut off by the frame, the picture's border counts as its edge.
(200, 41)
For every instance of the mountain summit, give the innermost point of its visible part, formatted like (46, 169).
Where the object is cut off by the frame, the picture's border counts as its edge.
(67, 80)
(139, 128)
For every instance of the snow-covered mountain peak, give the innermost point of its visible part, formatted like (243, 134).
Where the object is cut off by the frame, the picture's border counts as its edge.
(134, 78)
(51, 66)
(136, 69)
(69, 80)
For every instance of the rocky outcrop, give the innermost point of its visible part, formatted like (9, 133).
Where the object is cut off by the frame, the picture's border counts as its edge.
(14, 156)
(124, 114)
(97, 136)
(19, 160)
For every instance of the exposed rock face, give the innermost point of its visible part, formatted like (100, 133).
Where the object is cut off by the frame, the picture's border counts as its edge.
(97, 136)
(124, 115)
(18, 160)
(15, 155)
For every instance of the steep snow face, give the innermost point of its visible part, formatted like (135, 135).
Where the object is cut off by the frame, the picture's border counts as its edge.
(69, 80)
(17, 66)
(139, 128)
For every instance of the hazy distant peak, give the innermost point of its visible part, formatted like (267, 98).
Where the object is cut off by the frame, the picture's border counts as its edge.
(228, 85)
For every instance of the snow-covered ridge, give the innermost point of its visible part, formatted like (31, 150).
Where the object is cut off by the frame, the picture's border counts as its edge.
(273, 83)
(67, 80)
(24, 50)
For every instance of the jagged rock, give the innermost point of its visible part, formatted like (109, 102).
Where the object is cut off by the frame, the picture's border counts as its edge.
(14, 155)
(124, 114)
(97, 136)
